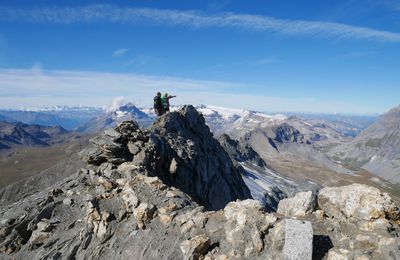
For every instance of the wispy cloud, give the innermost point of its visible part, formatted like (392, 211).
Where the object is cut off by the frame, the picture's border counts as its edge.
(29, 88)
(267, 60)
(193, 19)
(142, 60)
(120, 52)
(357, 54)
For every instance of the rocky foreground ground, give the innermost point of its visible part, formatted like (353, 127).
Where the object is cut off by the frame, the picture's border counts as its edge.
(172, 192)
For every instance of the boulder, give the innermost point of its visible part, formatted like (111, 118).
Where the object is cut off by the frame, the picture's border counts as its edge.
(298, 206)
(246, 223)
(106, 143)
(39, 237)
(358, 202)
(127, 127)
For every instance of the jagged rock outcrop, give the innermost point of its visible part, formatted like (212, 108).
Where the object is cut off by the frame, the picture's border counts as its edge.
(180, 150)
(122, 209)
(188, 157)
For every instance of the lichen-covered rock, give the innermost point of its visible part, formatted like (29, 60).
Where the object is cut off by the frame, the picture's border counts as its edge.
(298, 206)
(356, 201)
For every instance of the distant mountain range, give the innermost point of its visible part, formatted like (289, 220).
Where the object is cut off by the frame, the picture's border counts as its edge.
(112, 118)
(340, 143)
(376, 149)
(14, 135)
(66, 117)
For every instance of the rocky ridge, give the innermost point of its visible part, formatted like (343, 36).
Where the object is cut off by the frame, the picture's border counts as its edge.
(127, 203)
(14, 135)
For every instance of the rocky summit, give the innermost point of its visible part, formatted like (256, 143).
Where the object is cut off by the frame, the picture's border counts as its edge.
(172, 192)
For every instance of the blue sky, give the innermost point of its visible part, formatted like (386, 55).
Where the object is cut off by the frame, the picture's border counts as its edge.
(308, 56)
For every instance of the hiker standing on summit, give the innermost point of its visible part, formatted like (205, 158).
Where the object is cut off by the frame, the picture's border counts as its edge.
(158, 105)
(165, 101)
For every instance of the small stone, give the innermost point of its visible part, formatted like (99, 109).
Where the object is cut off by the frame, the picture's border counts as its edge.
(106, 183)
(44, 226)
(39, 237)
(135, 147)
(173, 167)
(166, 219)
(130, 198)
(171, 194)
(94, 215)
(341, 254)
(152, 181)
(319, 214)
(143, 214)
(67, 201)
(195, 247)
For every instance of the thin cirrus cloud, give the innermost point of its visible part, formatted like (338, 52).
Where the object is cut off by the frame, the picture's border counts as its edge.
(193, 19)
(120, 52)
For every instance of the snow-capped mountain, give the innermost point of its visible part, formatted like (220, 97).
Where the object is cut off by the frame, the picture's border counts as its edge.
(112, 118)
(67, 117)
(346, 124)
(236, 122)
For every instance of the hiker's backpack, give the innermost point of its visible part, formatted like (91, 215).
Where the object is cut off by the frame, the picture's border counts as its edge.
(164, 101)
(157, 102)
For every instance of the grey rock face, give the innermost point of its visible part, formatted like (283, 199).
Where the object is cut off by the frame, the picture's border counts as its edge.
(375, 149)
(182, 138)
(287, 133)
(239, 152)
